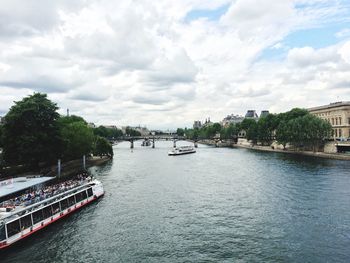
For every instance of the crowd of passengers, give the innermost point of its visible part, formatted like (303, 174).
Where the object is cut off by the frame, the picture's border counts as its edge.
(34, 196)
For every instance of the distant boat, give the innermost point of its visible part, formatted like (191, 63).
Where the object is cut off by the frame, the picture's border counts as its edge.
(182, 150)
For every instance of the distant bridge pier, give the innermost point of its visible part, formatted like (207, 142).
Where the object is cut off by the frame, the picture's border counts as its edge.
(131, 144)
(195, 144)
(174, 144)
(153, 143)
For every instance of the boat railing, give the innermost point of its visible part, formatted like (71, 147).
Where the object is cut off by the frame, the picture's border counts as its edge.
(51, 199)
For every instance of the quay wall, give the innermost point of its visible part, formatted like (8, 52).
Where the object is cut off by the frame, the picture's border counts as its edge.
(330, 150)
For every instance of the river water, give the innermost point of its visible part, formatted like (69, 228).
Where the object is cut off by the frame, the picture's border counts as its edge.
(217, 205)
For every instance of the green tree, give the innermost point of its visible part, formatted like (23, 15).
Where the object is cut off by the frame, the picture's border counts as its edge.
(251, 128)
(102, 147)
(230, 132)
(180, 132)
(266, 128)
(77, 139)
(283, 134)
(132, 132)
(30, 132)
(1, 136)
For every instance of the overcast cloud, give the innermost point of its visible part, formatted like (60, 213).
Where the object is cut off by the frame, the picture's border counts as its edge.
(167, 63)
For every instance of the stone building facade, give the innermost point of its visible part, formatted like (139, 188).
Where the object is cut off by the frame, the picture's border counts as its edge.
(338, 115)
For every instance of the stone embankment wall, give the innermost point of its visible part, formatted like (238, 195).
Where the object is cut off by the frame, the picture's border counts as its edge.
(72, 167)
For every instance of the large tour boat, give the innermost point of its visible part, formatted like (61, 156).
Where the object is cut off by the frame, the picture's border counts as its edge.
(182, 150)
(24, 215)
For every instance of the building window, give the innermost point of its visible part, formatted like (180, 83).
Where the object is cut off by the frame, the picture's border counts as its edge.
(349, 120)
(332, 121)
(340, 133)
(336, 133)
(339, 120)
(336, 121)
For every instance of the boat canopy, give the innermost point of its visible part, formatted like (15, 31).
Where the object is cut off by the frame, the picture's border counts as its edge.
(14, 185)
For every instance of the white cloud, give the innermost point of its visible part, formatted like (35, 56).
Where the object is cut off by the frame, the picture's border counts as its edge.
(141, 62)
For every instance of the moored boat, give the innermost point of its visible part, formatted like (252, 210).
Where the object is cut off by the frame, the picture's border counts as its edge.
(182, 150)
(21, 218)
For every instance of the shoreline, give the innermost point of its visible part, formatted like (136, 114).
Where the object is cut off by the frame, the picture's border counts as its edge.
(333, 156)
(67, 168)
(323, 155)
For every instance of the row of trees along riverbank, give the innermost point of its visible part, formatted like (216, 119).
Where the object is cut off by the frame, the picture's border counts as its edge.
(34, 135)
(297, 127)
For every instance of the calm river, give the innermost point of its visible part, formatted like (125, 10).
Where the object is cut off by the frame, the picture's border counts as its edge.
(217, 205)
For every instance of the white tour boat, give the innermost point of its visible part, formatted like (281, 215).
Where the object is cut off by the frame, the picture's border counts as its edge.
(22, 218)
(182, 150)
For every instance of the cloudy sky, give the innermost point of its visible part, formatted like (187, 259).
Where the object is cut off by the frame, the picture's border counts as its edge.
(166, 63)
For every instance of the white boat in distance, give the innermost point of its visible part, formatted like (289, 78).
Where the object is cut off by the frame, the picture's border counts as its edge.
(182, 150)
(24, 218)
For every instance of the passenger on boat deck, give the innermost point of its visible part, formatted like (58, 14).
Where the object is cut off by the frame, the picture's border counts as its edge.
(31, 197)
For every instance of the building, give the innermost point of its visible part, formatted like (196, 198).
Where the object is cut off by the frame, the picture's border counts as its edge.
(264, 113)
(207, 123)
(338, 115)
(231, 119)
(197, 124)
(251, 114)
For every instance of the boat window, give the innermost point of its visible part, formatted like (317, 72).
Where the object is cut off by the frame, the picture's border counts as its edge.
(89, 192)
(56, 208)
(78, 197)
(84, 194)
(13, 228)
(64, 204)
(38, 216)
(47, 212)
(71, 201)
(26, 222)
(2, 232)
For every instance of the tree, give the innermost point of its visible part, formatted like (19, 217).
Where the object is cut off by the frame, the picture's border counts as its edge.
(102, 147)
(266, 128)
(283, 134)
(30, 132)
(230, 132)
(1, 136)
(108, 133)
(251, 128)
(77, 138)
(180, 132)
(132, 132)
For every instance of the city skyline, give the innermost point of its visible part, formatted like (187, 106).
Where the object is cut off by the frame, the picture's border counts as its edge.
(165, 64)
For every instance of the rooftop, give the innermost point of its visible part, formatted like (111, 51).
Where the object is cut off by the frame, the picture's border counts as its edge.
(331, 105)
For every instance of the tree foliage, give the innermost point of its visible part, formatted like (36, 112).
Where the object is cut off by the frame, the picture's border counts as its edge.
(30, 132)
(132, 132)
(296, 127)
(102, 147)
(77, 137)
(33, 133)
(108, 133)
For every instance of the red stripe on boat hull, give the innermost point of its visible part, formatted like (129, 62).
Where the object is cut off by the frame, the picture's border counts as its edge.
(51, 221)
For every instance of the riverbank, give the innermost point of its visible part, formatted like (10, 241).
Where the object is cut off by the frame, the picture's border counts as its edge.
(335, 156)
(67, 168)
(72, 167)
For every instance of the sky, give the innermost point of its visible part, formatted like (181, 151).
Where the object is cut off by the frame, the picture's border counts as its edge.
(163, 64)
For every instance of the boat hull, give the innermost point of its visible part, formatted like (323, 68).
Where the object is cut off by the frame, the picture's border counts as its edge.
(41, 225)
(182, 153)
